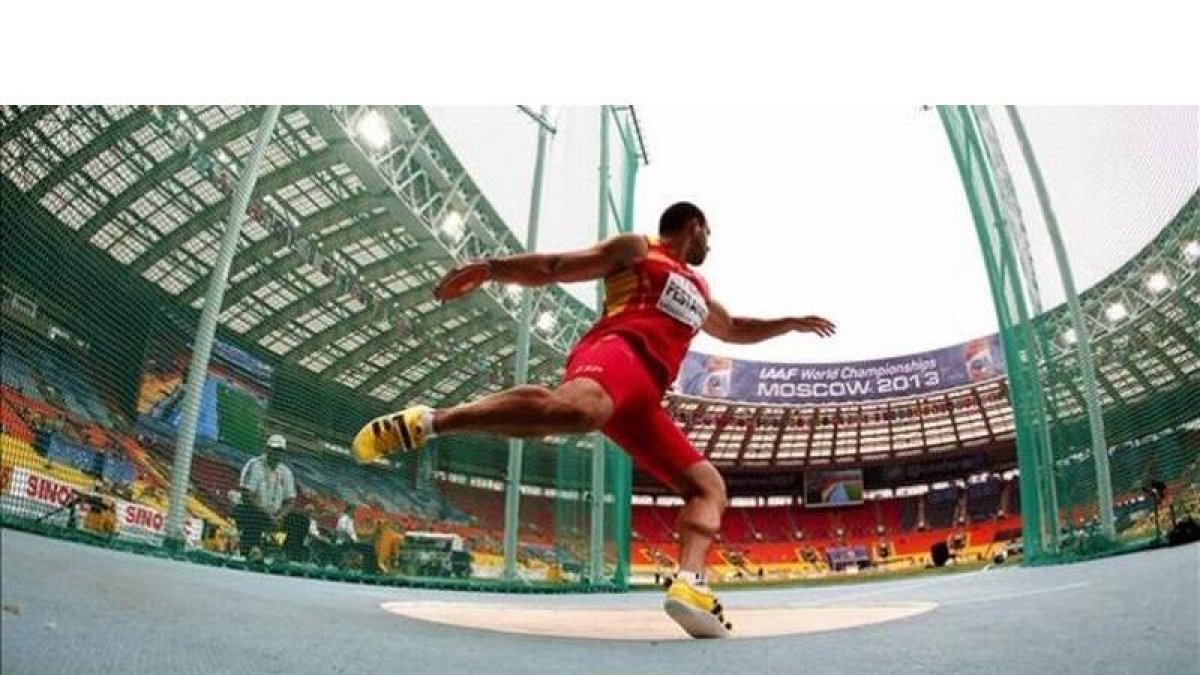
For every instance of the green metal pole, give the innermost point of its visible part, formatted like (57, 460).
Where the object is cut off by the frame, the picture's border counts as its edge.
(516, 446)
(1009, 204)
(629, 188)
(621, 466)
(206, 330)
(1083, 343)
(1015, 329)
(596, 549)
(1011, 229)
(1033, 393)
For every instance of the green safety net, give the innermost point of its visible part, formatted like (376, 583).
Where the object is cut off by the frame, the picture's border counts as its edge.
(1107, 400)
(111, 217)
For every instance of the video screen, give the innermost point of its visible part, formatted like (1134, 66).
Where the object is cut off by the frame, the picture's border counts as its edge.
(841, 487)
(236, 393)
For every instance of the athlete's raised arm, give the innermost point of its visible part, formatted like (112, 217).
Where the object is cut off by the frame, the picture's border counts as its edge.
(743, 330)
(538, 269)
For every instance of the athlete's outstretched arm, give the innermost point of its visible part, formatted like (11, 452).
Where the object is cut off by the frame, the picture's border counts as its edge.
(538, 269)
(743, 330)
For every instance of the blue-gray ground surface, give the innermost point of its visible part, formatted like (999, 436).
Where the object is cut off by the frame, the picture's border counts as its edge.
(70, 608)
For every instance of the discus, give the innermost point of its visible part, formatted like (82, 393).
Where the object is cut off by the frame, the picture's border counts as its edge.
(461, 282)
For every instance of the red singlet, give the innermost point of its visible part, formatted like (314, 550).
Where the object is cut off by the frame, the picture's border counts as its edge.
(651, 313)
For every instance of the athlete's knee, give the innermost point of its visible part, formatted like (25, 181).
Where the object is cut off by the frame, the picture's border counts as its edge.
(572, 416)
(716, 497)
(701, 514)
(720, 498)
(705, 499)
(703, 482)
(581, 407)
(703, 525)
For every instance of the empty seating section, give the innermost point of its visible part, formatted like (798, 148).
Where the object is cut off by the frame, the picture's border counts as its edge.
(648, 524)
(742, 434)
(910, 513)
(537, 516)
(735, 527)
(890, 514)
(941, 507)
(983, 499)
(770, 523)
(781, 536)
(44, 394)
(51, 378)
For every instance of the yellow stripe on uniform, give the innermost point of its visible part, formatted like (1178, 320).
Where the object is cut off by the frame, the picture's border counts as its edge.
(618, 289)
(616, 304)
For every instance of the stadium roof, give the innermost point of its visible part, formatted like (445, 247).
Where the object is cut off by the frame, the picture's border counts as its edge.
(1143, 321)
(355, 213)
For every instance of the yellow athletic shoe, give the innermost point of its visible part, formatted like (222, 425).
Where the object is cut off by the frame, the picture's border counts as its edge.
(385, 435)
(696, 610)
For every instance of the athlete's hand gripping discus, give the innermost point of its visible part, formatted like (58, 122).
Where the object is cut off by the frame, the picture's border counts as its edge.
(462, 280)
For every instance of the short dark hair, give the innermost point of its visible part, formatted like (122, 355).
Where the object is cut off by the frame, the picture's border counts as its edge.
(677, 216)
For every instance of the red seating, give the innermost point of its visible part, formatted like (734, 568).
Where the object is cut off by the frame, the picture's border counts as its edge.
(13, 424)
(771, 522)
(735, 526)
(487, 506)
(819, 526)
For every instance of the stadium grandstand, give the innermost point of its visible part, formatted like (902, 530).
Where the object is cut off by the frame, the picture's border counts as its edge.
(113, 219)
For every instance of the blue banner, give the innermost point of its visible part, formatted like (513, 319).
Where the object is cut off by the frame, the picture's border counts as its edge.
(797, 383)
(241, 359)
(72, 454)
(118, 471)
(840, 556)
(113, 469)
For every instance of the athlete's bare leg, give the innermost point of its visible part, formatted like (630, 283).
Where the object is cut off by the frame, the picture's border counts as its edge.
(703, 491)
(577, 406)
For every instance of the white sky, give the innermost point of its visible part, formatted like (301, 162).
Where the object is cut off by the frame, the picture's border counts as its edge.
(853, 214)
(856, 214)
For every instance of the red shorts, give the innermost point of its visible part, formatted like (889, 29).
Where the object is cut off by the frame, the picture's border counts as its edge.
(638, 423)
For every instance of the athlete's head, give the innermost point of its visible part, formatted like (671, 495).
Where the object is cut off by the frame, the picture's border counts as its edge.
(684, 223)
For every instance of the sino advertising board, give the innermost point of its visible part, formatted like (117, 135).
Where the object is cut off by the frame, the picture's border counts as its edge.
(35, 495)
(797, 383)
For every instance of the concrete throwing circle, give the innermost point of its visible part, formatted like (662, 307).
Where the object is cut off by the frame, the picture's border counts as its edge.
(598, 623)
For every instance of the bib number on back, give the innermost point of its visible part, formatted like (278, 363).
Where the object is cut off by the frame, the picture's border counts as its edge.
(682, 301)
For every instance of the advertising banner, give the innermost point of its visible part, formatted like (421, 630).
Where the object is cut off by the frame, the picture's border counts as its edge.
(798, 384)
(30, 494)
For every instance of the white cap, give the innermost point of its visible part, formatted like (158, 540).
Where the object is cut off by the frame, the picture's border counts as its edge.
(277, 441)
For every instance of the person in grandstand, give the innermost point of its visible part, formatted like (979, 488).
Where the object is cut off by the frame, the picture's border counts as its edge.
(302, 535)
(232, 537)
(267, 491)
(655, 303)
(350, 552)
(344, 532)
